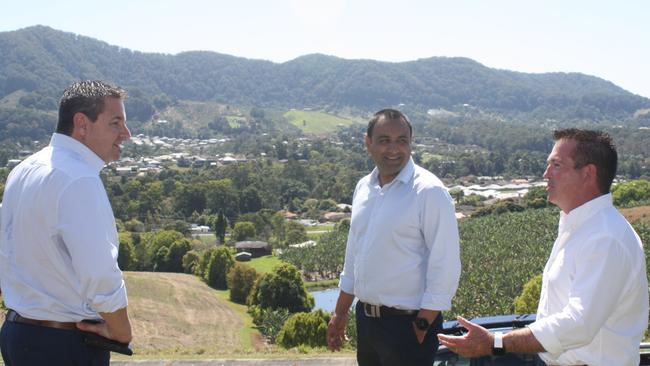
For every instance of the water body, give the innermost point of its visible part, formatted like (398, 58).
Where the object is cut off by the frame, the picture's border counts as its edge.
(326, 299)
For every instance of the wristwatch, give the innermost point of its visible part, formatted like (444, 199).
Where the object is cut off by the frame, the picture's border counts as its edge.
(421, 323)
(498, 349)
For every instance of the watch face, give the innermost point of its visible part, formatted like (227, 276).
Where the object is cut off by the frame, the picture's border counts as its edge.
(421, 323)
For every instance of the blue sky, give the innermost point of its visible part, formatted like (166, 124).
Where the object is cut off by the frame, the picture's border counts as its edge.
(608, 39)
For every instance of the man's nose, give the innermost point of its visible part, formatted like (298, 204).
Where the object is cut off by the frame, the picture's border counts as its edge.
(126, 133)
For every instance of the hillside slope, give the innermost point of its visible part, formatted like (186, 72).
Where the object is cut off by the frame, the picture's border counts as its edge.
(177, 314)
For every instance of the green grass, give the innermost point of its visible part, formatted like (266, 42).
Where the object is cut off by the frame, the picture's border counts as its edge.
(248, 331)
(207, 239)
(316, 122)
(265, 264)
(322, 227)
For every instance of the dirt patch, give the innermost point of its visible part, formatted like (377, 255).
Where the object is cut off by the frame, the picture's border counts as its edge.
(637, 214)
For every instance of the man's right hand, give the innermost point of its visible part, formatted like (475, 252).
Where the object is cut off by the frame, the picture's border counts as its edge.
(336, 331)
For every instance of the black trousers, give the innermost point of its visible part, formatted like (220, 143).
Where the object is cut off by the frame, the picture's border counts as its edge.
(391, 341)
(32, 345)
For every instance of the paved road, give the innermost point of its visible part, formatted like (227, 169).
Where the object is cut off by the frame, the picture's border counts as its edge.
(336, 361)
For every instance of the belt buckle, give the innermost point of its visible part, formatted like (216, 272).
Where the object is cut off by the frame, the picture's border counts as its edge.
(371, 311)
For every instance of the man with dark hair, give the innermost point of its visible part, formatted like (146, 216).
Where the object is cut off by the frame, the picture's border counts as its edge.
(402, 258)
(593, 308)
(58, 239)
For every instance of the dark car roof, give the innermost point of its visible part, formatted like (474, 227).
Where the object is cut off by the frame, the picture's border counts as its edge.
(491, 322)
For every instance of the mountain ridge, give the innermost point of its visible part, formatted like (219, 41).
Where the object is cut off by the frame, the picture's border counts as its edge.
(43, 60)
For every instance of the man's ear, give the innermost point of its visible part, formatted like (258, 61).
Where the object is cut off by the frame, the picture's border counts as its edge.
(79, 125)
(367, 139)
(591, 173)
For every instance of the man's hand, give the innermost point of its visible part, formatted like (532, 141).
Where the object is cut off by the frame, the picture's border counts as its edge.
(477, 342)
(336, 331)
(419, 334)
(115, 326)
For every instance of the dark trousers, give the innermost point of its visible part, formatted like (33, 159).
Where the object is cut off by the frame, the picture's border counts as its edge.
(391, 341)
(32, 345)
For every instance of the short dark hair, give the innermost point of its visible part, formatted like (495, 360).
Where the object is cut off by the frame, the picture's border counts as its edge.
(85, 97)
(389, 114)
(593, 147)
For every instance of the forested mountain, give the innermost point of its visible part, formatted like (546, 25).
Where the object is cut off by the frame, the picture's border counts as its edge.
(38, 62)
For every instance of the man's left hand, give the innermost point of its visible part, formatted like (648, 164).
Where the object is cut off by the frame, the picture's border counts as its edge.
(477, 342)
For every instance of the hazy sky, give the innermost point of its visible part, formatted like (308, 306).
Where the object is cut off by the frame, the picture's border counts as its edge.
(608, 39)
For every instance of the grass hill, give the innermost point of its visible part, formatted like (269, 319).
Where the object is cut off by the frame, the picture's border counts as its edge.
(176, 314)
(316, 122)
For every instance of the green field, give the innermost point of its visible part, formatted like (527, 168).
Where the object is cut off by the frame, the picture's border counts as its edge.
(265, 264)
(316, 122)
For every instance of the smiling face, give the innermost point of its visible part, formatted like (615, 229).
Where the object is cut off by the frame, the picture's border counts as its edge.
(104, 135)
(390, 147)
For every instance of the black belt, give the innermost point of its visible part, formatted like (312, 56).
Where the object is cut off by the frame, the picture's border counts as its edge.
(380, 311)
(14, 317)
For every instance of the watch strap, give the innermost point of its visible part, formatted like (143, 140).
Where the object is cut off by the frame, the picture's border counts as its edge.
(498, 349)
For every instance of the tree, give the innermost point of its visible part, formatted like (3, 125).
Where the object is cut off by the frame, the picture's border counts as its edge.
(220, 262)
(154, 242)
(295, 233)
(160, 259)
(220, 225)
(243, 230)
(221, 195)
(249, 200)
(241, 278)
(126, 258)
(190, 261)
(282, 288)
(527, 302)
(175, 255)
(457, 193)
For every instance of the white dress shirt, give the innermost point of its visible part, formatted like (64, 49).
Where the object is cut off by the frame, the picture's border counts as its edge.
(593, 307)
(58, 240)
(403, 245)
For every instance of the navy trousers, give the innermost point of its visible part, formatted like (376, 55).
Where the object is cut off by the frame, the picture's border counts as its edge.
(31, 345)
(391, 341)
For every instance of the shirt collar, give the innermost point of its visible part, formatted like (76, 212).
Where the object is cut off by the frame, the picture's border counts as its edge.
(404, 175)
(66, 142)
(581, 213)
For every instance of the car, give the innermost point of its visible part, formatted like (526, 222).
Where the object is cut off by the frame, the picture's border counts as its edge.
(503, 323)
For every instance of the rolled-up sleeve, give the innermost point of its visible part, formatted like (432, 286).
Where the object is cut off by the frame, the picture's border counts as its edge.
(440, 230)
(87, 229)
(602, 269)
(346, 280)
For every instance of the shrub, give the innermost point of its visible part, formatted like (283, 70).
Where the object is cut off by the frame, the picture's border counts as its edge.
(527, 302)
(631, 193)
(308, 329)
(269, 321)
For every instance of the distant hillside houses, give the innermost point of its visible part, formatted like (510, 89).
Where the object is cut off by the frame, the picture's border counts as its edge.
(513, 189)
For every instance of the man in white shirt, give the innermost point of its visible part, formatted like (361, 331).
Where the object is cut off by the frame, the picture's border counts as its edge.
(59, 244)
(402, 257)
(593, 307)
